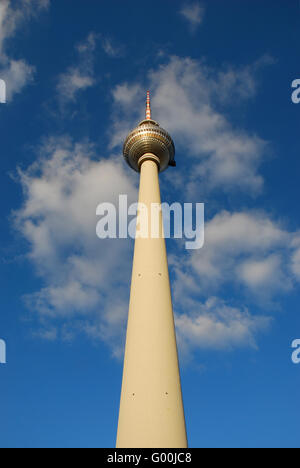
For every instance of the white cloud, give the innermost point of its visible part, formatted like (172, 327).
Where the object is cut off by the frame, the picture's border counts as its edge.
(188, 99)
(295, 264)
(16, 72)
(73, 81)
(68, 300)
(193, 13)
(242, 249)
(80, 76)
(124, 97)
(86, 280)
(245, 249)
(234, 84)
(48, 334)
(259, 274)
(215, 325)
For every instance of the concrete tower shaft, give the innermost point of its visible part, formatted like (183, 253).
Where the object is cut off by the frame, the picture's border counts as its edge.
(151, 408)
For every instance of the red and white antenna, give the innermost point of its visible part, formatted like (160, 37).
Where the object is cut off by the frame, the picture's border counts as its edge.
(148, 108)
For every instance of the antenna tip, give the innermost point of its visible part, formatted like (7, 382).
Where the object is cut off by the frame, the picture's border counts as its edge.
(148, 108)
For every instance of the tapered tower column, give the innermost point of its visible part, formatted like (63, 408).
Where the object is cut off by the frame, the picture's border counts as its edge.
(151, 408)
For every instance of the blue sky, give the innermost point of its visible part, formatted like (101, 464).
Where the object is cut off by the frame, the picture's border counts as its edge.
(220, 75)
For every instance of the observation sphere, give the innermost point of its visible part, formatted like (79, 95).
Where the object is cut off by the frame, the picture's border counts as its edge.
(149, 137)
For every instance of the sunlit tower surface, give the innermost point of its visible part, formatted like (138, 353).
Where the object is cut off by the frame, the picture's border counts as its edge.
(151, 409)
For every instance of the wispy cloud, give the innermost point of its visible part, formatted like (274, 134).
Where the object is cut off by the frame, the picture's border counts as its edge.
(16, 72)
(235, 84)
(193, 13)
(111, 48)
(80, 76)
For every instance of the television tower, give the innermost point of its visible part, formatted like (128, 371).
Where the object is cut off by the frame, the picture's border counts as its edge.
(151, 409)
